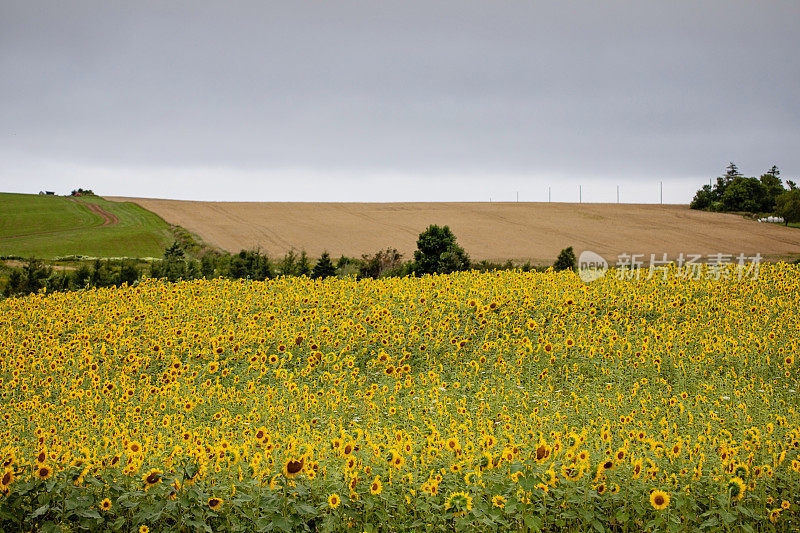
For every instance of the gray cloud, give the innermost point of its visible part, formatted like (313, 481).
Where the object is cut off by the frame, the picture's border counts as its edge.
(558, 90)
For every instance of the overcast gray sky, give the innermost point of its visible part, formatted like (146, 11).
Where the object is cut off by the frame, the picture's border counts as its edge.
(389, 101)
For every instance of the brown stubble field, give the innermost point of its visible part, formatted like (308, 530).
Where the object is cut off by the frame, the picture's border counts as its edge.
(495, 231)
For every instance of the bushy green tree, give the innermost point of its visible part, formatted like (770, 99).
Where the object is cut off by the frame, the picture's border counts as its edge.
(82, 276)
(128, 273)
(324, 267)
(102, 276)
(704, 198)
(438, 252)
(565, 260)
(173, 267)
(788, 206)
(745, 194)
(383, 263)
(773, 186)
(31, 278)
(208, 265)
(250, 264)
(734, 192)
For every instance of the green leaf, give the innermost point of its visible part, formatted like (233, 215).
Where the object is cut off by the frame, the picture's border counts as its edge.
(711, 522)
(40, 511)
(532, 522)
(281, 523)
(89, 513)
(304, 508)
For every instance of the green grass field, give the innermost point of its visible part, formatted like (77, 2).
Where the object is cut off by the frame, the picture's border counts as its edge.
(56, 226)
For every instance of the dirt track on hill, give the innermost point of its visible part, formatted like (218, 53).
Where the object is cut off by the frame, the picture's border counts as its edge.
(109, 219)
(494, 231)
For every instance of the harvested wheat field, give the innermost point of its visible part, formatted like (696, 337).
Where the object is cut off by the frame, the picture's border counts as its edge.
(494, 231)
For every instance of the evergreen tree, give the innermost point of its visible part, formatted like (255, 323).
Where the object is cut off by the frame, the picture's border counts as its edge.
(288, 265)
(773, 186)
(303, 265)
(566, 260)
(324, 267)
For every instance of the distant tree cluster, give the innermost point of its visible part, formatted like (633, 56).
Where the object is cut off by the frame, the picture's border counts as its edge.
(82, 192)
(437, 253)
(34, 276)
(735, 192)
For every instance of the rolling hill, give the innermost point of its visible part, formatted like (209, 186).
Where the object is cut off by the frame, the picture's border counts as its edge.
(48, 227)
(492, 231)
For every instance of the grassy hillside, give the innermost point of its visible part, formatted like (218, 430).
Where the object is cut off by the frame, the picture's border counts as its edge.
(57, 226)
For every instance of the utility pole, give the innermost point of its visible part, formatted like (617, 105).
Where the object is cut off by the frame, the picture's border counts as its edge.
(580, 194)
(617, 193)
(661, 189)
(518, 196)
(548, 195)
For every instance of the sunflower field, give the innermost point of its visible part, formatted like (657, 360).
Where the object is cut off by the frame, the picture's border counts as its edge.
(505, 401)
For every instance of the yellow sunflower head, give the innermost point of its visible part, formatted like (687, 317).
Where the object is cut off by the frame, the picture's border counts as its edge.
(659, 500)
(334, 500)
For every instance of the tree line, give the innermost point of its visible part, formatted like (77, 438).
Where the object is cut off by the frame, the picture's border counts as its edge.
(766, 195)
(437, 252)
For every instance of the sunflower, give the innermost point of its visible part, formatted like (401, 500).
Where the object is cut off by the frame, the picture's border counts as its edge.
(736, 488)
(134, 447)
(215, 503)
(637, 469)
(144, 529)
(659, 500)
(542, 452)
(151, 478)
(571, 472)
(774, 515)
(292, 467)
(334, 500)
(8, 478)
(458, 502)
(105, 505)
(376, 486)
(499, 501)
(44, 472)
